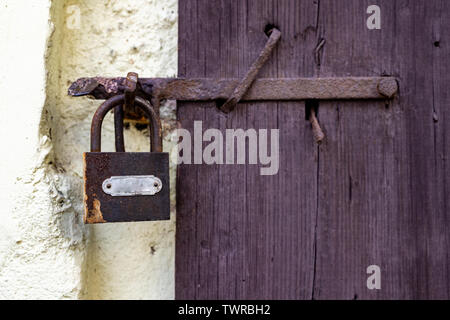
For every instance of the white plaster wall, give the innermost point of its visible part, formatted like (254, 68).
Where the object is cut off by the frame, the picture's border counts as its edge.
(41, 251)
(45, 250)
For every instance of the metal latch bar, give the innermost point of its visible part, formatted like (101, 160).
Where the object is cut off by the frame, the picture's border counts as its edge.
(206, 89)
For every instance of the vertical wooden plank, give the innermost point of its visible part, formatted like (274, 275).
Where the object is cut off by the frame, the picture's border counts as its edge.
(295, 203)
(197, 220)
(241, 235)
(186, 198)
(382, 170)
(358, 218)
(441, 119)
(426, 134)
(230, 231)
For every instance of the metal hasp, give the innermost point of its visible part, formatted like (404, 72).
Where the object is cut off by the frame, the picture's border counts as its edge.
(232, 91)
(207, 89)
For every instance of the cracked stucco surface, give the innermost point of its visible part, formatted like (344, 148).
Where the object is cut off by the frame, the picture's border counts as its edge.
(45, 250)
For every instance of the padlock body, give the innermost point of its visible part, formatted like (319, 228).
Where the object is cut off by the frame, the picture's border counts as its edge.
(101, 207)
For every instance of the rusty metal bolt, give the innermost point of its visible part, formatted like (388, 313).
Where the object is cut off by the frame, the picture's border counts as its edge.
(318, 134)
(388, 87)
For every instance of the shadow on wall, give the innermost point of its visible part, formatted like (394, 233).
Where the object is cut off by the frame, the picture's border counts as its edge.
(109, 38)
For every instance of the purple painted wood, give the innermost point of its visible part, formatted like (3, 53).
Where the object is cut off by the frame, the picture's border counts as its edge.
(383, 176)
(374, 193)
(241, 235)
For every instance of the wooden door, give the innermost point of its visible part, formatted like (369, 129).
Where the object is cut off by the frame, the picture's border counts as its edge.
(374, 193)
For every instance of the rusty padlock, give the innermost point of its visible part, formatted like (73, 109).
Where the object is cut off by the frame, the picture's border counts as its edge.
(126, 186)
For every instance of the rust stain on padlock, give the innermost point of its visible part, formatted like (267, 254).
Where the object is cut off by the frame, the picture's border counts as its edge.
(95, 215)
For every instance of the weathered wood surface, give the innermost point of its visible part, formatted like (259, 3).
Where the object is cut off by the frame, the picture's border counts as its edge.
(375, 192)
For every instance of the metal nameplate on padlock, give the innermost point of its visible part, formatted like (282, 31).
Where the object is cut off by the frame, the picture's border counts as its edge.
(126, 186)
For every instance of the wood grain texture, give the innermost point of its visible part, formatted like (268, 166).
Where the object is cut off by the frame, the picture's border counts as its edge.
(383, 180)
(241, 235)
(374, 193)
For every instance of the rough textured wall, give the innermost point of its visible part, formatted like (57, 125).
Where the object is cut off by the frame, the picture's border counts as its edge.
(41, 244)
(45, 250)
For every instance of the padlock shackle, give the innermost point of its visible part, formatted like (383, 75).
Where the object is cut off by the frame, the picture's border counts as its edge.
(97, 120)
